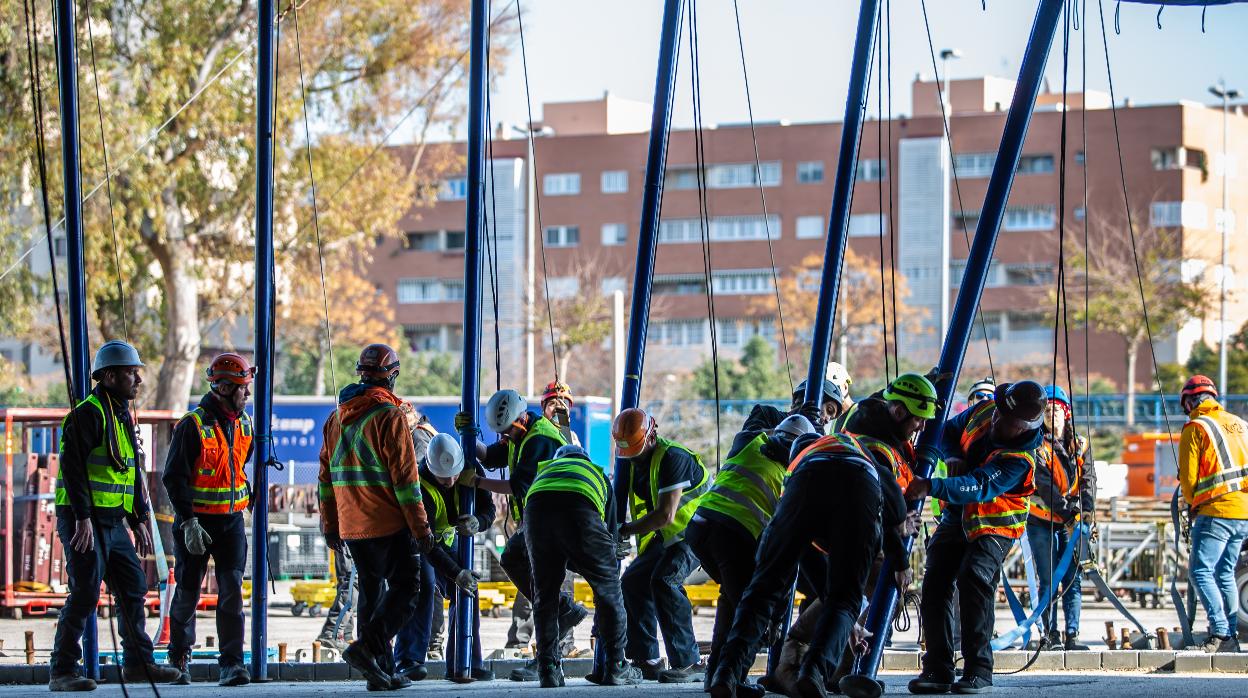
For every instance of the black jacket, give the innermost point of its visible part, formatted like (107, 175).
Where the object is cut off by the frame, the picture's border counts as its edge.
(184, 451)
(85, 430)
(872, 419)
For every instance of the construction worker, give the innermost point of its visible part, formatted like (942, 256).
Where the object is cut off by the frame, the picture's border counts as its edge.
(724, 530)
(371, 501)
(208, 489)
(847, 528)
(980, 391)
(525, 440)
(840, 378)
(1065, 497)
(557, 406)
(1213, 476)
(769, 417)
(570, 520)
(443, 480)
(991, 451)
(97, 489)
(666, 483)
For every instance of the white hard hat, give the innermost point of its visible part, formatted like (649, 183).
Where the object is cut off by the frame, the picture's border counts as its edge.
(795, 425)
(838, 375)
(445, 457)
(504, 407)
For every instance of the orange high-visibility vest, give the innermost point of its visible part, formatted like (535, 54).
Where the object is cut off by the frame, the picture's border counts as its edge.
(1006, 515)
(1062, 484)
(833, 444)
(902, 464)
(220, 483)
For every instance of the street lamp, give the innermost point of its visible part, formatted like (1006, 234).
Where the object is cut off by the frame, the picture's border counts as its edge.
(946, 54)
(1226, 94)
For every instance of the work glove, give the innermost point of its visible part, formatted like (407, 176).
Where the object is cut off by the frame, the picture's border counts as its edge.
(465, 421)
(623, 547)
(196, 538)
(467, 525)
(424, 544)
(467, 580)
(334, 542)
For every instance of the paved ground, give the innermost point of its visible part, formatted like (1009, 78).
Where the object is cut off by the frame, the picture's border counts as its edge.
(1102, 685)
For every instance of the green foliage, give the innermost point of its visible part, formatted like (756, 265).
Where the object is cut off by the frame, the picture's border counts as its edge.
(419, 374)
(757, 375)
(1204, 359)
(436, 374)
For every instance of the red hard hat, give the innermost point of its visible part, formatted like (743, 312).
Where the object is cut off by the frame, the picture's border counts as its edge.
(1198, 384)
(557, 389)
(231, 368)
(377, 361)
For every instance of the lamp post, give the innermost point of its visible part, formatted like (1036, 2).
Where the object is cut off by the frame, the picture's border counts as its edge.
(1226, 94)
(947, 54)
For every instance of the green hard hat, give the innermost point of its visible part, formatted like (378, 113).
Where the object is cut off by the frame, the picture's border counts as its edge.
(915, 392)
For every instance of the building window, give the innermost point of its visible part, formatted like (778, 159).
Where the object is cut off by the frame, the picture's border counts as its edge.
(680, 285)
(453, 290)
(809, 227)
(723, 228)
(810, 172)
(1035, 164)
(971, 165)
(867, 225)
(1028, 326)
(430, 290)
(678, 333)
(423, 241)
(560, 287)
(1172, 214)
(423, 337)
(615, 182)
(60, 246)
(1030, 218)
(614, 234)
(725, 176)
(742, 283)
(562, 236)
(991, 323)
(562, 184)
(871, 171)
(454, 241)
(453, 189)
(611, 284)
(1027, 274)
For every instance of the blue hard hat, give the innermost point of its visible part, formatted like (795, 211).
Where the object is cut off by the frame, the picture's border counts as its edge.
(1057, 392)
(115, 353)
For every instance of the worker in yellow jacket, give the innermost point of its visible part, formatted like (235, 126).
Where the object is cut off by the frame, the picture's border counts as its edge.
(1213, 473)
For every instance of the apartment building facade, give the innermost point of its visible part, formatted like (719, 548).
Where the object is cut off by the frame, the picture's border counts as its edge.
(590, 161)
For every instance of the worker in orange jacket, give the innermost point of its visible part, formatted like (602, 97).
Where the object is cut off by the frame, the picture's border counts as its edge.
(370, 500)
(1213, 474)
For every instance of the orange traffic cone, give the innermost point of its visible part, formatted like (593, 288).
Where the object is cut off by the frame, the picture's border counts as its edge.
(164, 614)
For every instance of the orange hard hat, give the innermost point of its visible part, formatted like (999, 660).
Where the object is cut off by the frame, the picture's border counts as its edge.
(557, 389)
(631, 431)
(230, 368)
(1198, 384)
(378, 362)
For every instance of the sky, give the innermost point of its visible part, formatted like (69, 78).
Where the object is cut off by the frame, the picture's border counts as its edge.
(798, 53)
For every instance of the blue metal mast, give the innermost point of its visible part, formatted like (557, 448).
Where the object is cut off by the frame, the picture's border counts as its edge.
(460, 661)
(264, 340)
(67, 78)
(1030, 76)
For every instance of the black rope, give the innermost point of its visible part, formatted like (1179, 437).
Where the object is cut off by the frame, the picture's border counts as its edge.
(758, 174)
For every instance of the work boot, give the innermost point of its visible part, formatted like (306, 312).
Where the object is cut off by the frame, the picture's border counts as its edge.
(1230, 644)
(650, 668)
(70, 683)
(972, 684)
(1073, 644)
(791, 654)
(397, 682)
(526, 673)
(182, 664)
(154, 673)
(723, 684)
(694, 673)
(436, 648)
(414, 671)
(929, 682)
(363, 660)
(236, 675)
(619, 673)
(810, 684)
(858, 686)
(550, 676)
(1213, 644)
(480, 673)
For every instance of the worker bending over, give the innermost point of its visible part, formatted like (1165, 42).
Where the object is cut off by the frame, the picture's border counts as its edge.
(99, 487)
(1213, 476)
(570, 520)
(1065, 497)
(443, 480)
(991, 451)
(209, 491)
(525, 440)
(724, 531)
(370, 499)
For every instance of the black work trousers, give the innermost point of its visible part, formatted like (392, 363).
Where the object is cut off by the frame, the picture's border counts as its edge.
(515, 562)
(228, 551)
(975, 566)
(726, 553)
(388, 579)
(836, 504)
(567, 532)
(114, 561)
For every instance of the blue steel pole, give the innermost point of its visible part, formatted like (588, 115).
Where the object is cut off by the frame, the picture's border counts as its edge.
(264, 341)
(67, 72)
(460, 660)
(884, 600)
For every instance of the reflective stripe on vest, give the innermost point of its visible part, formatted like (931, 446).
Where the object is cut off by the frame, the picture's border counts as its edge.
(674, 532)
(219, 485)
(747, 487)
(540, 427)
(1006, 515)
(1062, 484)
(1226, 475)
(366, 470)
(572, 475)
(836, 445)
(440, 520)
(900, 464)
(110, 488)
(978, 424)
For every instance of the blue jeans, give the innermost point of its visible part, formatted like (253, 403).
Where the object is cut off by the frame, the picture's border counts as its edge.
(1047, 542)
(1215, 550)
(654, 598)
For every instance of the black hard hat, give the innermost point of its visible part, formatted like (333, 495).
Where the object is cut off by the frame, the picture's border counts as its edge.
(831, 393)
(1024, 400)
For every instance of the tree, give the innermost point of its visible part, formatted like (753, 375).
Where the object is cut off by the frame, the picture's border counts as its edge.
(1204, 359)
(183, 204)
(581, 316)
(1114, 284)
(757, 375)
